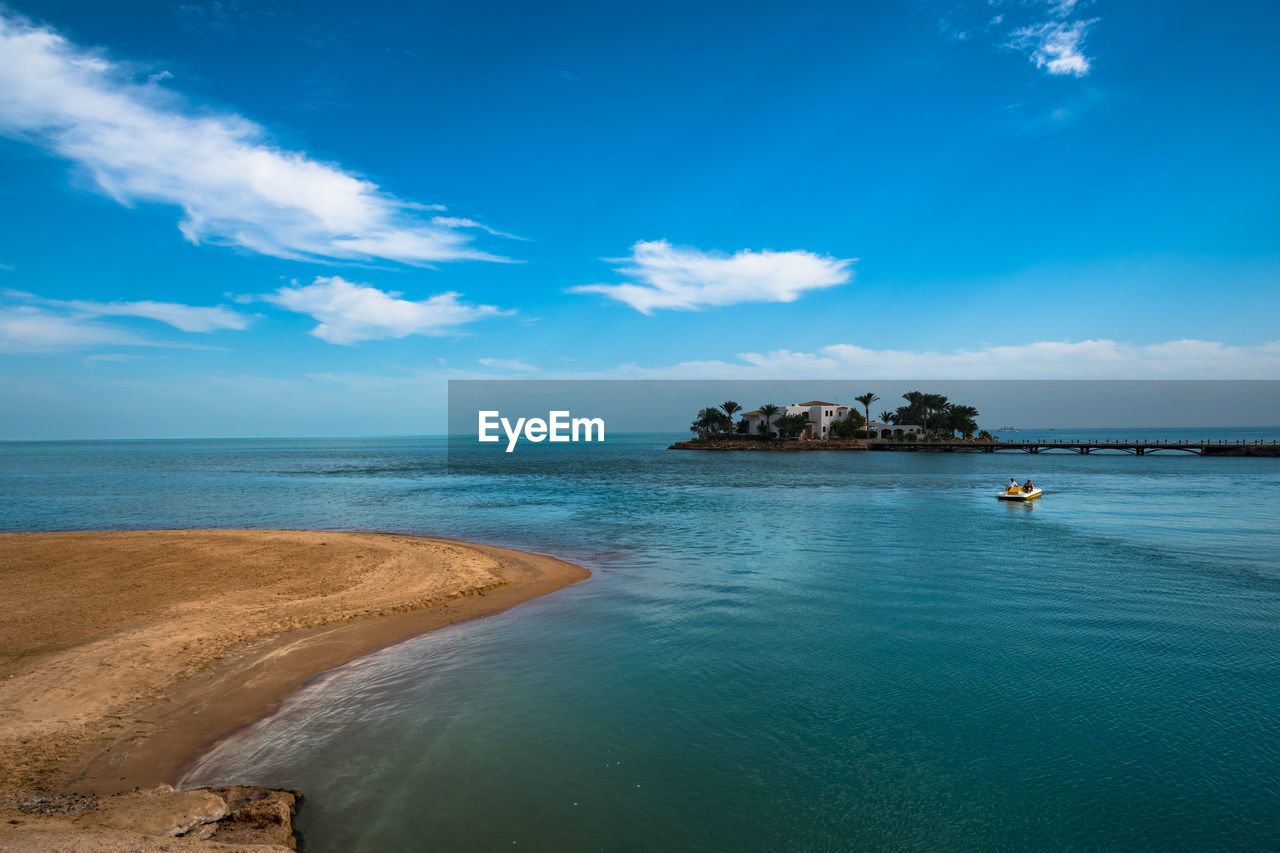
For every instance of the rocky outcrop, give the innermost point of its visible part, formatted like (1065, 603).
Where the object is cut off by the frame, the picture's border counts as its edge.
(257, 816)
(159, 811)
(232, 818)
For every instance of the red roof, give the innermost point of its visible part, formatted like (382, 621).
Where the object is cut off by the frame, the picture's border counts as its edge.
(815, 403)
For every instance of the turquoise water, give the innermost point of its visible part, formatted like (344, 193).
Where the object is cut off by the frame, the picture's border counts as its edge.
(811, 651)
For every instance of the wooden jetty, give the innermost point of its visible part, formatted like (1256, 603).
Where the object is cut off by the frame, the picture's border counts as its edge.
(1219, 447)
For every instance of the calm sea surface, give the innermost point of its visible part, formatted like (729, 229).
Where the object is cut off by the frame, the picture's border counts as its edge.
(808, 651)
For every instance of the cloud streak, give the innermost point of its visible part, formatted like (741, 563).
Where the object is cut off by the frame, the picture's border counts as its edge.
(1054, 46)
(1089, 359)
(187, 318)
(507, 364)
(139, 142)
(36, 325)
(679, 278)
(29, 329)
(348, 312)
(1050, 33)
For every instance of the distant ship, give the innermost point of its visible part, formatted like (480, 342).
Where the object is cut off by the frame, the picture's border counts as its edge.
(1007, 429)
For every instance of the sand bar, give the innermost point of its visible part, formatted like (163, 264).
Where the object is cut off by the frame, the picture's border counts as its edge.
(123, 655)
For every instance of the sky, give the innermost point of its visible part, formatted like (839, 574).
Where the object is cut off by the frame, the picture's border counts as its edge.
(222, 218)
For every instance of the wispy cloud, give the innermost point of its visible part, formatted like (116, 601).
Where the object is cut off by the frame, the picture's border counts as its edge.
(216, 15)
(141, 143)
(1089, 359)
(1055, 46)
(689, 279)
(507, 364)
(224, 16)
(464, 222)
(112, 358)
(187, 318)
(349, 312)
(1050, 33)
(34, 324)
(28, 329)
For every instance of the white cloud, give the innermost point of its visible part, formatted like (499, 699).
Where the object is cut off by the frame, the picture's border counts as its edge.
(689, 279)
(1050, 33)
(464, 222)
(111, 358)
(349, 312)
(53, 325)
(188, 318)
(1091, 359)
(1064, 8)
(28, 329)
(507, 364)
(1054, 46)
(140, 143)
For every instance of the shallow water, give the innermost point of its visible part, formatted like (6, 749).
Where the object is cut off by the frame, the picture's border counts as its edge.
(776, 651)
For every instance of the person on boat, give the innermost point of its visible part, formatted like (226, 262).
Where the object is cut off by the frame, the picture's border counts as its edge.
(1013, 487)
(1028, 486)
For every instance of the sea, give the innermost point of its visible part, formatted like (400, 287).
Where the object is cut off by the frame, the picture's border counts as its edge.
(818, 651)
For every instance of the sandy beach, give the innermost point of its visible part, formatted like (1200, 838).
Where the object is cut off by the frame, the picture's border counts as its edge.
(123, 655)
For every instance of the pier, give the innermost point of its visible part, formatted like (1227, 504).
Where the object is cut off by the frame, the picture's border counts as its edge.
(1220, 447)
(1135, 447)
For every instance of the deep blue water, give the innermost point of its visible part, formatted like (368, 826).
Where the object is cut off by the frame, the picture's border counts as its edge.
(809, 651)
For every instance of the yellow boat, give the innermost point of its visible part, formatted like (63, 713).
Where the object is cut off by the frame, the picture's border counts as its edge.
(1019, 495)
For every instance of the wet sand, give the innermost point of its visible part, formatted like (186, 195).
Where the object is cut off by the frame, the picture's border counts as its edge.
(124, 655)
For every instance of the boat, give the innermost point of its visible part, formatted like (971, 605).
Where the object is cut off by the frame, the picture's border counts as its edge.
(1007, 429)
(1020, 495)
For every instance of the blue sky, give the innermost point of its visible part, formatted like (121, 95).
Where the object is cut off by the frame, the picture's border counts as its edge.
(228, 218)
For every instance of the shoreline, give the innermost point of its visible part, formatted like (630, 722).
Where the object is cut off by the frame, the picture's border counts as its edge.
(132, 653)
(266, 673)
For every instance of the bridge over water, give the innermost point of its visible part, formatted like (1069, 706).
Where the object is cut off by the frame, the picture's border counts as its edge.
(1220, 447)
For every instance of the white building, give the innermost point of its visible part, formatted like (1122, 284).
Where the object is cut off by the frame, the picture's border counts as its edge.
(754, 419)
(880, 430)
(821, 416)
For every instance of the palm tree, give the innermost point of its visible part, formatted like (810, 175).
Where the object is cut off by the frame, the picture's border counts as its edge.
(730, 408)
(710, 421)
(913, 412)
(768, 410)
(866, 400)
(962, 418)
(933, 403)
